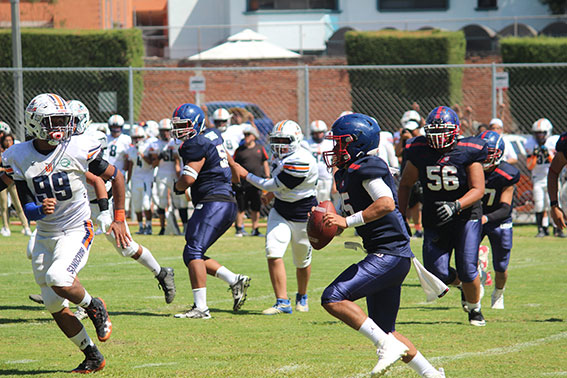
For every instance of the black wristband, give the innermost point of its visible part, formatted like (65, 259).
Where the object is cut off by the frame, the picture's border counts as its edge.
(554, 203)
(102, 204)
(178, 192)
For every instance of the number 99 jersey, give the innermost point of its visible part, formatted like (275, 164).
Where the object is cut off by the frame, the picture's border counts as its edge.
(443, 175)
(59, 175)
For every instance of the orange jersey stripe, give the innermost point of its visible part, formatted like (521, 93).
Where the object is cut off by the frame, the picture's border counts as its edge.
(89, 234)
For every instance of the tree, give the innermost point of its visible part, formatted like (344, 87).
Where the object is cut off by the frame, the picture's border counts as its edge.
(555, 6)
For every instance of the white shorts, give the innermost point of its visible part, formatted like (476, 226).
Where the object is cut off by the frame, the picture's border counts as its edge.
(164, 187)
(540, 197)
(324, 189)
(141, 195)
(58, 258)
(278, 235)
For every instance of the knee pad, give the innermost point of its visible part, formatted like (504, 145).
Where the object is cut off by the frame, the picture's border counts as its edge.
(128, 251)
(53, 302)
(302, 258)
(191, 254)
(331, 295)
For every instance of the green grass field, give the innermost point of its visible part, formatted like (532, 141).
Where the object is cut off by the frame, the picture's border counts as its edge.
(527, 339)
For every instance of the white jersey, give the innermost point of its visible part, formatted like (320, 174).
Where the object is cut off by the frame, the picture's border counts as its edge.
(167, 152)
(299, 164)
(232, 137)
(59, 175)
(115, 153)
(141, 170)
(509, 152)
(317, 150)
(544, 156)
(387, 152)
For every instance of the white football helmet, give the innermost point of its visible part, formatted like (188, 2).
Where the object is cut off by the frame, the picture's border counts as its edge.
(542, 125)
(410, 115)
(81, 116)
(152, 129)
(137, 134)
(285, 138)
(221, 119)
(47, 117)
(165, 124)
(318, 126)
(5, 128)
(115, 124)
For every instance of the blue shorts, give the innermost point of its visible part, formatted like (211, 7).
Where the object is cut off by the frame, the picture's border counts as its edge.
(379, 278)
(500, 236)
(209, 221)
(439, 242)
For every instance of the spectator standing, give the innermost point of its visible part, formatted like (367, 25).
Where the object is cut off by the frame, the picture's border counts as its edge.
(510, 155)
(318, 145)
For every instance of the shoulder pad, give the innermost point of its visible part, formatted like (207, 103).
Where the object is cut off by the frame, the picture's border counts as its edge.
(369, 167)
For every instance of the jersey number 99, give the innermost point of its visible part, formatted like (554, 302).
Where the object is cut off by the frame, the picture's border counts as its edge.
(56, 186)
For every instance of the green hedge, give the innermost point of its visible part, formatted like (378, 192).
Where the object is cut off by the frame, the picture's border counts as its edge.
(536, 92)
(387, 93)
(70, 48)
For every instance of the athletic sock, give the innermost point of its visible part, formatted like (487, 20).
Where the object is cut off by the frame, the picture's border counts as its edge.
(421, 365)
(86, 301)
(200, 298)
(226, 275)
(82, 339)
(372, 331)
(148, 260)
(473, 306)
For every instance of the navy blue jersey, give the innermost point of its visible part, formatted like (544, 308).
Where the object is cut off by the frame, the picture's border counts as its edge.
(214, 180)
(386, 235)
(495, 182)
(443, 175)
(561, 145)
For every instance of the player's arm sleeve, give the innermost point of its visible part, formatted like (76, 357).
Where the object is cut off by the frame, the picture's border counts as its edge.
(377, 188)
(267, 184)
(98, 165)
(502, 212)
(32, 211)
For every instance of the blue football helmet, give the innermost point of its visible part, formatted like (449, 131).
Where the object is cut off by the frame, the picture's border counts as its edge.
(442, 127)
(188, 121)
(495, 144)
(354, 135)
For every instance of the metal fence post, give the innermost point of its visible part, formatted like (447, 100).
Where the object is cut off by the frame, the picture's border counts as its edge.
(18, 74)
(494, 99)
(306, 99)
(131, 95)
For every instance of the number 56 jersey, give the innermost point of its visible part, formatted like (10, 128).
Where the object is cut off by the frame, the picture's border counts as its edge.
(444, 175)
(60, 175)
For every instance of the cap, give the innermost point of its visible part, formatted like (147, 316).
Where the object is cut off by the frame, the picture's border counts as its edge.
(496, 121)
(411, 125)
(249, 129)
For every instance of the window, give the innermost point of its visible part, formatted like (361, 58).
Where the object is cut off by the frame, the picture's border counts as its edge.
(254, 5)
(413, 5)
(487, 4)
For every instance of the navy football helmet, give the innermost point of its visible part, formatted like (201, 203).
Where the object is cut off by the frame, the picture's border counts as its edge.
(188, 121)
(354, 135)
(442, 127)
(495, 144)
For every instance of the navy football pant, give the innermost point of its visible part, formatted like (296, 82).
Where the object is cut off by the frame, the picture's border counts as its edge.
(378, 278)
(439, 242)
(209, 221)
(500, 236)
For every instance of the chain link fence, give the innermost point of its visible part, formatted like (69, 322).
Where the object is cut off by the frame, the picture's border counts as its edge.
(307, 93)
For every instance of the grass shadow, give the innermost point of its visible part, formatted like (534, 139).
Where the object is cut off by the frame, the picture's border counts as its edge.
(30, 372)
(19, 320)
(24, 308)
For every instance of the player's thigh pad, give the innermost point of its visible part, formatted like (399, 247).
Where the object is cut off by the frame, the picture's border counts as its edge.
(467, 241)
(31, 243)
(70, 255)
(437, 247)
(42, 256)
(501, 242)
(128, 251)
(540, 195)
(53, 302)
(278, 235)
(300, 246)
(137, 195)
(162, 191)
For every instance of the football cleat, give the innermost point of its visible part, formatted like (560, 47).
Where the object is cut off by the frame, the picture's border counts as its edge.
(497, 299)
(194, 313)
(282, 306)
(435, 374)
(81, 313)
(167, 283)
(37, 298)
(94, 361)
(239, 289)
(301, 303)
(389, 352)
(476, 318)
(99, 316)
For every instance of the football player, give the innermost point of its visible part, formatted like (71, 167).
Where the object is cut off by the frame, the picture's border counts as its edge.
(368, 191)
(540, 150)
(450, 171)
(207, 170)
(166, 156)
(318, 145)
(293, 183)
(140, 178)
(49, 172)
(559, 161)
(500, 178)
(232, 135)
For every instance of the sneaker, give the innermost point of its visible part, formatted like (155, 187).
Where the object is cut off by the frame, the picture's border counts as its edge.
(99, 316)
(94, 361)
(418, 234)
(239, 289)
(194, 313)
(166, 283)
(463, 300)
(5, 231)
(27, 231)
(476, 318)
(435, 374)
(256, 232)
(239, 234)
(148, 230)
(81, 313)
(301, 304)
(282, 306)
(37, 298)
(558, 233)
(498, 299)
(161, 231)
(389, 352)
(141, 231)
(545, 231)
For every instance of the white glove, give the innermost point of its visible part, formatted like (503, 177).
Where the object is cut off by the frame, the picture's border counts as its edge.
(104, 220)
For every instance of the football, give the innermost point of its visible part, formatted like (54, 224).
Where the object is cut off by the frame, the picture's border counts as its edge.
(319, 234)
